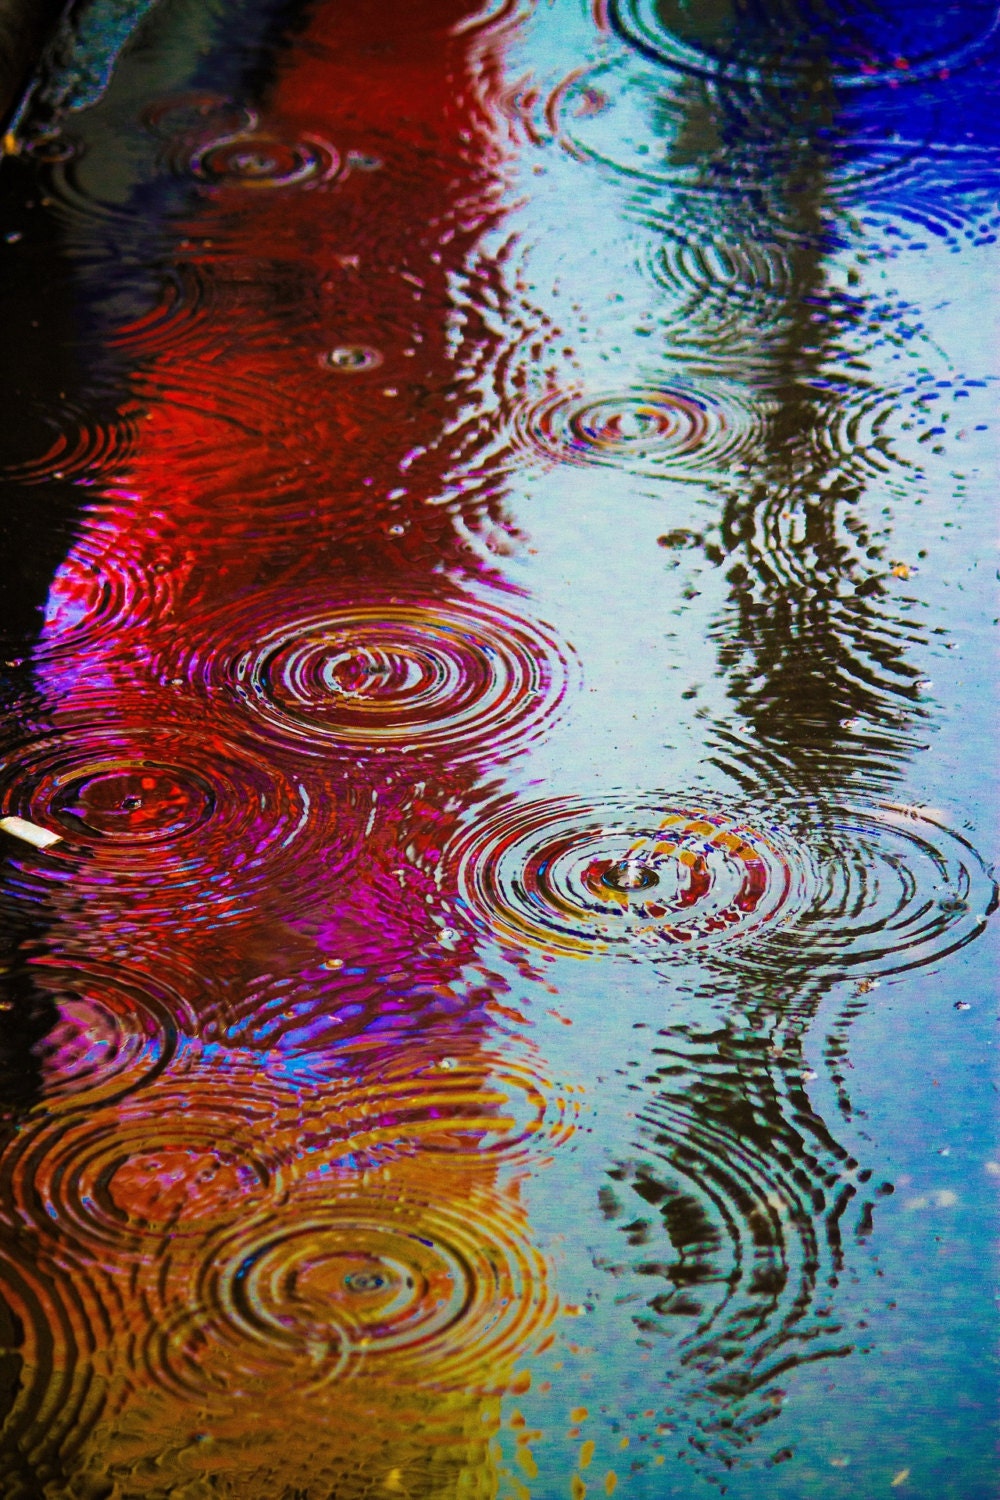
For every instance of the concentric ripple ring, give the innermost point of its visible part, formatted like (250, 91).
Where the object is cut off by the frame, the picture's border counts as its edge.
(394, 1290)
(113, 1033)
(870, 890)
(260, 161)
(571, 878)
(176, 1160)
(452, 674)
(670, 429)
(142, 814)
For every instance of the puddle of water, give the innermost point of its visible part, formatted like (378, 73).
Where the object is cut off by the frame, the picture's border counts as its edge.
(495, 784)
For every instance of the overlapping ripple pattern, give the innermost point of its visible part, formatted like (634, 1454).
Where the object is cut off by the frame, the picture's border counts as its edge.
(148, 815)
(862, 46)
(875, 889)
(350, 1285)
(577, 879)
(504, 481)
(718, 1244)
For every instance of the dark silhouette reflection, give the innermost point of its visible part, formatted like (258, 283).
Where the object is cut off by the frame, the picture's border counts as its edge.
(23, 32)
(816, 649)
(732, 1209)
(736, 1201)
(40, 367)
(40, 373)
(27, 1018)
(63, 437)
(818, 645)
(769, 148)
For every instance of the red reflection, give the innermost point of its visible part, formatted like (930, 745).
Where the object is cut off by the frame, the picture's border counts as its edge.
(302, 447)
(297, 438)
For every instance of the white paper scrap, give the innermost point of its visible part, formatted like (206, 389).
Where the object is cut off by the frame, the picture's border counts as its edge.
(20, 828)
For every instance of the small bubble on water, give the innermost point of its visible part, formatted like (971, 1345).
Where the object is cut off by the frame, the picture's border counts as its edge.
(630, 875)
(362, 161)
(364, 1281)
(254, 163)
(349, 359)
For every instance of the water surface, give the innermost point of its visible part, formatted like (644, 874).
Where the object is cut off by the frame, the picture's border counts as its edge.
(498, 617)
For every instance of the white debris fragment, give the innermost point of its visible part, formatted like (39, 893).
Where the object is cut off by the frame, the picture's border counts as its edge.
(30, 833)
